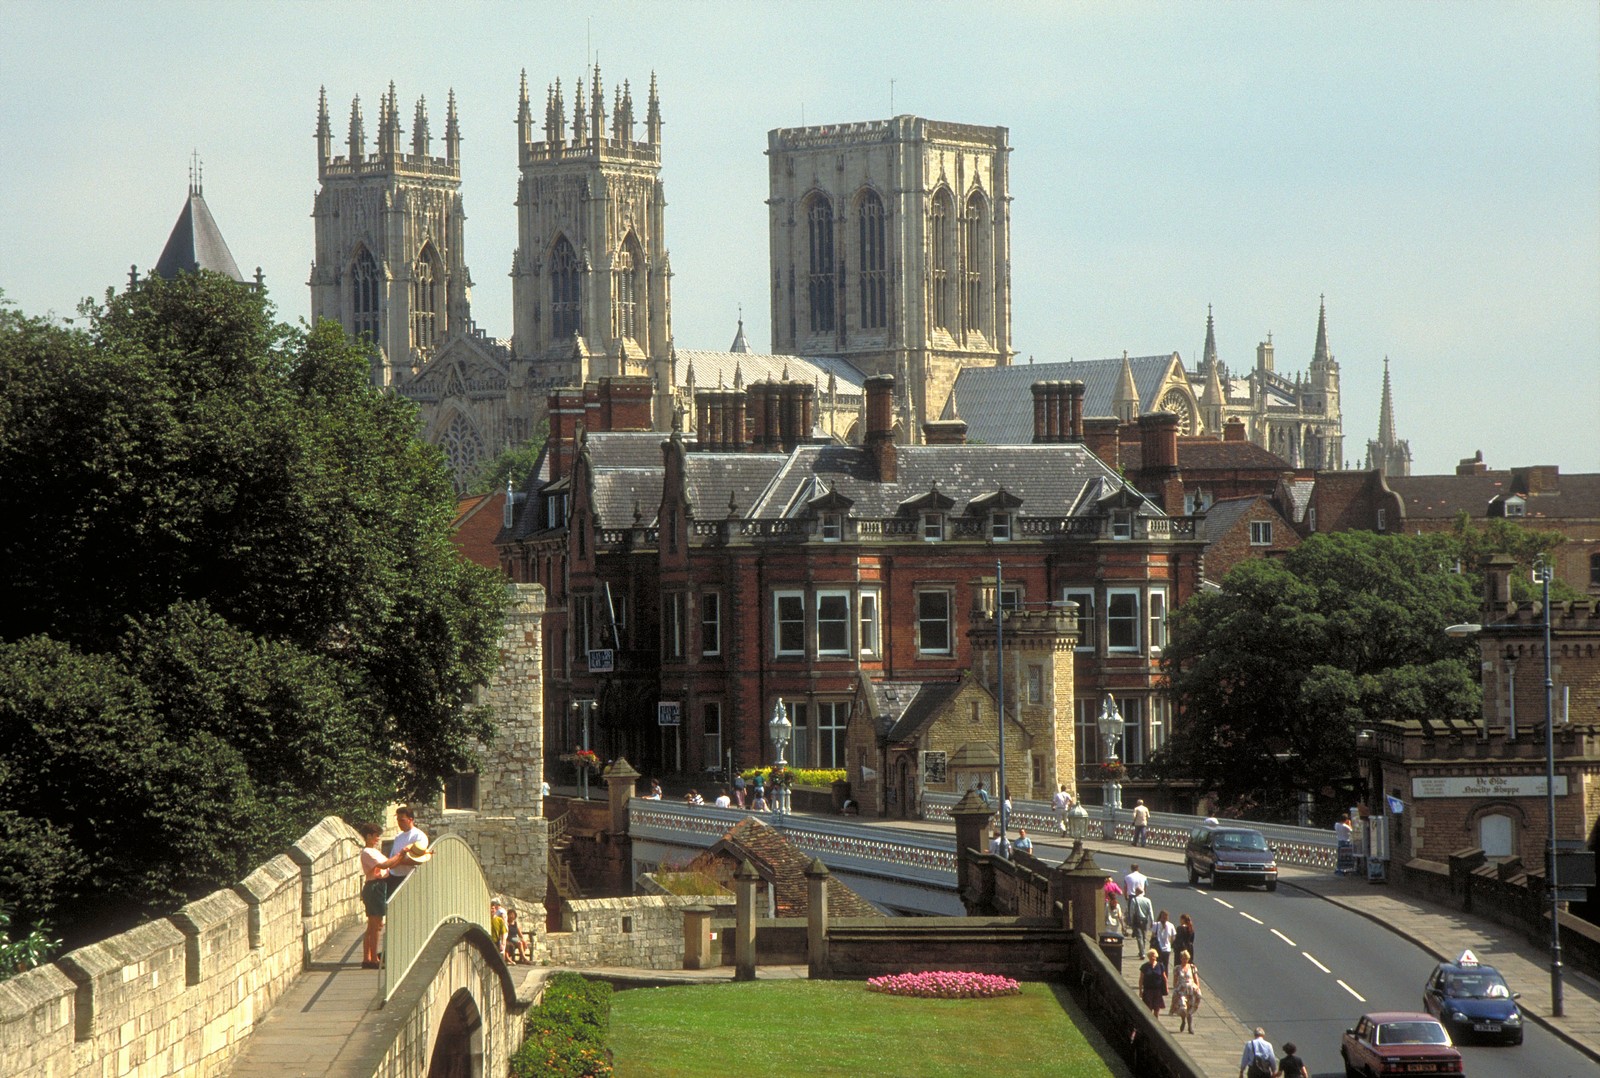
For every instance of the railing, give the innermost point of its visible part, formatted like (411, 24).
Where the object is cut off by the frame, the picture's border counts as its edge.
(449, 887)
(561, 872)
(957, 529)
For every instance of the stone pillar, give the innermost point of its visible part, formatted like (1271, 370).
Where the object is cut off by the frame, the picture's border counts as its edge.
(744, 928)
(1086, 905)
(697, 952)
(621, 781)
(817, 918)
(973, 880)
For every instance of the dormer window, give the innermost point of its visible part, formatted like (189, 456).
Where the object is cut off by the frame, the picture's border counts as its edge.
(832, 527)
(1122, 524)
(932, 527)
(1000, 525)
(1516, 507)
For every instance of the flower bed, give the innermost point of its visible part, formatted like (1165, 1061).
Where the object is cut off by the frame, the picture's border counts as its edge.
(945, 985)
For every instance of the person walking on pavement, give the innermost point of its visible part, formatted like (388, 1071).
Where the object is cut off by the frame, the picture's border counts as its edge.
(1258, 1060)
(1153, 983)
(1162, 933)
(1061, 804)
(1141, 915)
(1141, 824)
(1185, 991)
(1184, 941)
(1291, 1065)
(1135, 880)
(738, 790)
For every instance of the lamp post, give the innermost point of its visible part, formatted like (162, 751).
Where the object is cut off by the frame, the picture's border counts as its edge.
(1111, 725)
(1541, 572)
(1000, 689)
(781, 729)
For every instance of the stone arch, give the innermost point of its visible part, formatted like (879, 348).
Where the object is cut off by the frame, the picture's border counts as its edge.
(458, 1040)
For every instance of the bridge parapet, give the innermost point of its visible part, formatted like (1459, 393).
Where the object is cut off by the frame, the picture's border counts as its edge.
(450, 887)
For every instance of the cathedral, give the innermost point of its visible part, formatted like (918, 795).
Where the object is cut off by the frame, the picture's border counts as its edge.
(890, 253)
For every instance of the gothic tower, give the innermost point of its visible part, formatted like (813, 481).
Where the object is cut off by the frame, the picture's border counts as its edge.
(891, 247)
(590, 279)
(1389, 455)
(390, 261)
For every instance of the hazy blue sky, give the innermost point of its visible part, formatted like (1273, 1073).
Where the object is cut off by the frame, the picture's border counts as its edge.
(1433, 168)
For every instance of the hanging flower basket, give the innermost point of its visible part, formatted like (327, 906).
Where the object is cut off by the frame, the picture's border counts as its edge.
(780, 776)
(1112, 770)
(585, 759)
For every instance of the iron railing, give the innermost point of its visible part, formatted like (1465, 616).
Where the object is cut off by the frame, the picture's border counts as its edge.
(448, 887)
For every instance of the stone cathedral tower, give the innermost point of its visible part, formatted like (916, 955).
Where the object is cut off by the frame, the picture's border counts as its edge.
(891, 248)
(390, 262)
(590, 279)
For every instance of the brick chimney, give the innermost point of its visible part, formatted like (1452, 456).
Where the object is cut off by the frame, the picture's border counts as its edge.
(1158, 470)
(1538, 479)
(1044, 413)
(1233, 430)
(879, 440)
(944, 432)
(1074, 411)
(1472, 465)
(1101, 435)
(620, 404)
(796, 413)
(566, 412)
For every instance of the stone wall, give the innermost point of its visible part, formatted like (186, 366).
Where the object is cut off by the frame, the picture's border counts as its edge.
(641, 931)
(179, 995)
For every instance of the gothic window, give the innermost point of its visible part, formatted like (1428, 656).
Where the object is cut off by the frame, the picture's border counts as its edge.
(426, 317)
(627, 278)
(872, 260)
(974, 253)
(463, 448)
(564, 319)
(365, 287)
(941, 247)
(1175, 402)
(819, 222)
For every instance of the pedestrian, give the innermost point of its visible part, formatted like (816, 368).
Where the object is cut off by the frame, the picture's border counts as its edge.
(1185, 991)
(693, 798)
(1184, 940)
(1007, 800)
(544, 787)
(723, 800)
(517, 949)
(760, 802)
(1344, 839)
(983, 795)
(1141, 824)
(1141, 915)
(738, 790)
(1162, 934)
(655, 791)
(999, 845)
(1258, 1060)
(374, 891)
(1135, 880)
(1061, 804)
(497, 925)
(409, 849)
(1023, 843)
(759, 782)
(1153, 983)
(1291, 1065)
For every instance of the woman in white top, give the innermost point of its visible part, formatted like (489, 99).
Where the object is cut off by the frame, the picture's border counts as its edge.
(1162, 933)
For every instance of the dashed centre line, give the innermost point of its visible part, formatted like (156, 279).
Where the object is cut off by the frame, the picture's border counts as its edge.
(1247, 917)
(1284, 938)
(1352, 991)
(1219, 902)
(1307, 956)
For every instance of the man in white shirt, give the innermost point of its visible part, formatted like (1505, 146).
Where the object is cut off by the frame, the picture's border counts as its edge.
(1061, 804)
(1141, 824)
(1258, 1057)
(410, 837)
(723, 800)
(1135, 880)
(999, 845)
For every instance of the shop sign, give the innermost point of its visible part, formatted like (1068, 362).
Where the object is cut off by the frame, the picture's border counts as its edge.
(1485, 786)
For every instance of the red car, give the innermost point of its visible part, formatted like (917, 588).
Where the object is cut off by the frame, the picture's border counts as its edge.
(1398, 1042)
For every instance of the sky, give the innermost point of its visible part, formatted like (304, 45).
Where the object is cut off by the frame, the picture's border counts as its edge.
(1432, 169)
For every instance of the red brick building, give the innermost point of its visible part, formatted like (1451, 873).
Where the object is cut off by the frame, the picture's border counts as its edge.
(753, 565)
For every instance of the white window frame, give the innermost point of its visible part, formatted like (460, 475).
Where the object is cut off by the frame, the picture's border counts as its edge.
(711, 740)
(949, 627)
(1261, 533)
(1157, 726)
(1085, 713)
(933, 527)
(711, 623)
(831, 527)
(842, 624)
(672, 640)
(1122, 621)
(833, 720)
(1135, 735)
(867, 609)
(1084, 597)
(1383, 519)
(1001, 525)
(1122, 524)
(1011, 599)
(1156, 619)
(779, 622)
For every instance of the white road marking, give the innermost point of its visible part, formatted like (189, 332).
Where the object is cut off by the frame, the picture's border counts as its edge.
(1247, 917)
(1284, 938)
(1352, 991)
(1200, 892)
(1219, 902)
(1307, 956)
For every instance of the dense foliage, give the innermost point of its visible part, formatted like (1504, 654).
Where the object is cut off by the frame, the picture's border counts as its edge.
(1274, 674)
(566, 1034)
(511, 465)
(230, 606)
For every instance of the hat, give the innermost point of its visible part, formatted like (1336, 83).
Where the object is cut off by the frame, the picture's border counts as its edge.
(418, 852)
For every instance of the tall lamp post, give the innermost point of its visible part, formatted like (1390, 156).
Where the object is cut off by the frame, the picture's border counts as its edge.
(1111, 725)
(1000, 690)
(781, 729)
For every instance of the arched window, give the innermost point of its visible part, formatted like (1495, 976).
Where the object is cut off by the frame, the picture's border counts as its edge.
(463, 448)
(941, 249)
(976, 254)
(426, 317)
(1495, 835)
(365, 288)
(873, 261)
(627, 278)
(564, 311)
(819, 222)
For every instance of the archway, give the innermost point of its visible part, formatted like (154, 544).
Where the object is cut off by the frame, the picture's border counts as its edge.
(458, 1048)
(906, 783)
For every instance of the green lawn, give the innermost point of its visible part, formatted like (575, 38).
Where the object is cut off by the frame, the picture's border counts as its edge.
(769, 1028)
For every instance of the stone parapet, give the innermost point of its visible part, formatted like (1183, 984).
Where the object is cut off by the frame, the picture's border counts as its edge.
(642, 931)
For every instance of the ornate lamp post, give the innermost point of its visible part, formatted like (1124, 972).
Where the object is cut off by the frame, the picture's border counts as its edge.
(1111, 725)
(1541, 573)
(1077, 821)
(781, 729)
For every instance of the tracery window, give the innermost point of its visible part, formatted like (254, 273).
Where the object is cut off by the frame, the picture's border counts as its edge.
(564, 312)
(365, 288)
(819, 223)
(972, 312)
(463, 448)
(940, 248)
(627, 273)
(426, 317)
(873, 262)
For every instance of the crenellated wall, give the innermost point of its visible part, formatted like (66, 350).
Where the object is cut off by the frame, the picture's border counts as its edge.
(179, 995)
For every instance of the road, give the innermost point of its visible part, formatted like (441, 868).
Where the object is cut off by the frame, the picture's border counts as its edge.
(1305, 969)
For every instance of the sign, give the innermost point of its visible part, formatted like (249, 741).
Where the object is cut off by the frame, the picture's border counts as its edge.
(602, 660)
(669, 713)
(934, 768)
(1485, 786)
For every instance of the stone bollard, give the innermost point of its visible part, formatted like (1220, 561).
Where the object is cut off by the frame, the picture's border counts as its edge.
(744, 929)
(697, 952)
(975, 879)
(817, 918)
(621, 780)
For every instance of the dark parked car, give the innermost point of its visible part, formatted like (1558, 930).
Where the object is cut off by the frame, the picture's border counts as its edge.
(1231, 855)
(1398, 1042)
(1473, 1001)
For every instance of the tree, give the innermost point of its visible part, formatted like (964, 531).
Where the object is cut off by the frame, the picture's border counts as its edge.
(1274, 674)
(231, 605)
(512, 465)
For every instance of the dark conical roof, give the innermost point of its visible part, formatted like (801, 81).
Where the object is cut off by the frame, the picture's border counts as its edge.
(196, 243)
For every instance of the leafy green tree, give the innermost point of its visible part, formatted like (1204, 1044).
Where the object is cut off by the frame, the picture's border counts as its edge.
(511, 465)
(1274, 674)
(231, 604)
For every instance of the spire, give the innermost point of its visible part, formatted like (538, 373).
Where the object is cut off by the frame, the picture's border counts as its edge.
(1320, 358)
(1386, 411)
(652, 122)
(358, 134)
(196, 242)
(524, 114)
(420, 138)
(597, 107)
(738, 374)
(1208, 357)
(739, 343)
(616, 114)
(324, 130)
(1127, 398)
(196, 178)
(452, 132)
(561, 116)
(580, 116)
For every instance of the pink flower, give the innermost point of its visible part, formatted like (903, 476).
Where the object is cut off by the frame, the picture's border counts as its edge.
(945, 985)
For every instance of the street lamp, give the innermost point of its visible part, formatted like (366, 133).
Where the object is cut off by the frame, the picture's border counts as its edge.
(1111, 724)
(782, 729)
(1077, 821)
(1541, 573)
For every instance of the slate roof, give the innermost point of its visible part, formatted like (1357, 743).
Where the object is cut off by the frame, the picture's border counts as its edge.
(890, 699)
(784, 867)
(1051, 480)
(1441, 497)
(1222, 515)
(196, 244)
(1299, 492)
(709, 367)
(712, 479)
(1199, 454)
(997, 402)
(923, 709)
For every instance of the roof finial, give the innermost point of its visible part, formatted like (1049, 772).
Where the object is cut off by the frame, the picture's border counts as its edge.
(195, 187)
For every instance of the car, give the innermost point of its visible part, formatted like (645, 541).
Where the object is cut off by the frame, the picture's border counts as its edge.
(1399, 1042)
(1473, 1001)
(1231, 855)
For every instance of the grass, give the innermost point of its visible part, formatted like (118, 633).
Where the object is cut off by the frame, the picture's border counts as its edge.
(840, 1028)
